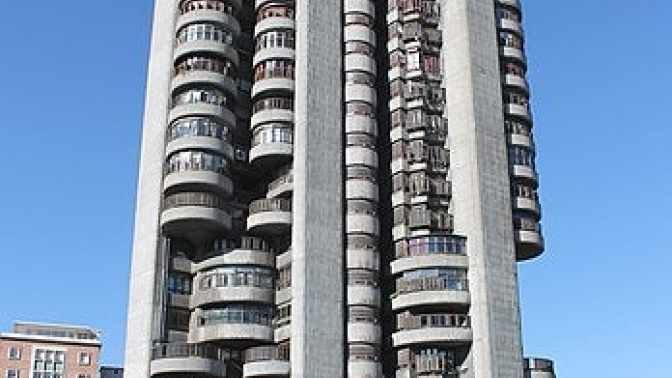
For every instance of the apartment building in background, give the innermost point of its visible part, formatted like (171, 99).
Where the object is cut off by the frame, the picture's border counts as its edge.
(334, 188)
(39, 350)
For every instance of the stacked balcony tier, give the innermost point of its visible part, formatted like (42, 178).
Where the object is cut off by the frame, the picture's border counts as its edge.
(273, 90)
(518, 126)
(361, 191)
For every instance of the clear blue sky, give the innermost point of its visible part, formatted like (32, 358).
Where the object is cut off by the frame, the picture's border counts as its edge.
(597, 302)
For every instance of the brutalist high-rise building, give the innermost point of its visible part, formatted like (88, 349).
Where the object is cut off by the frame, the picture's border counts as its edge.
(334, 188)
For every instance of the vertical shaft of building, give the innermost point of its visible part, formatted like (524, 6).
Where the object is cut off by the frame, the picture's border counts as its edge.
(146, 260)
(317, 347)
(361, 191)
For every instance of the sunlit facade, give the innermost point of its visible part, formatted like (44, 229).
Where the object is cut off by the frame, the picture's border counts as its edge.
(333, 189)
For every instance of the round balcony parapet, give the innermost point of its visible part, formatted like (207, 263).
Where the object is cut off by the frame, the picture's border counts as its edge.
(194, 47)
(185, 358)
(274, 23)
(270, 216)
(210, 16)
(205, 77)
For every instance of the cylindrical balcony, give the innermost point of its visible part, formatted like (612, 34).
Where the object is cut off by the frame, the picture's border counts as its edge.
(194, 212)
(364, 368)
(272, 145)
(364, 332)
(203, 77)
(197, 169)
(270, 216)
(206, 37)
(243, 324)
(435, 329)
(272, 110)
(430, 291)
(538, 368)
(518, 111)
(516, 81)
(281, 186)
(266, 362)
(183, 359)
(210, 16)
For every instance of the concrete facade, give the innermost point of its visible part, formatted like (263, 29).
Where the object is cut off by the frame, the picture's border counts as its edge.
(333, 189)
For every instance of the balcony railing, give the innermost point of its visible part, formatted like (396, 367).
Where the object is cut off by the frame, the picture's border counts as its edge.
(187, 350)
(270, 204)
(405, 285)
(195, 199)
(432, 245)
(266, 353)
(406, 321)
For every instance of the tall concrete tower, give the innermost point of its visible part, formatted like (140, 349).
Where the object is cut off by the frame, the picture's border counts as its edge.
(333, 188)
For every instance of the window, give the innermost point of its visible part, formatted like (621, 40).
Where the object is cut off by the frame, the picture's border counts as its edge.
(83, 375)
(12, 374)
(48, 363)
(14, 353)
(84, 358)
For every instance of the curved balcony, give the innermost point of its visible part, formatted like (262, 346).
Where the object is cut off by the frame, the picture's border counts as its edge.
(193, 47)
(360, 92)
(358, 188)
(429, 261)
(268, 53)
(272, 84)
(516, 81)
(270, 154)
(238, 294)
(363, 332)
(356, 123)
(513, 53)
(274, 23)
(189, 359)
(187, 6)
(539, 368)
(526, 204)
(209, 16)
(193, 213)
(368, 259)
(363, 295)
(519, 111)
(510, 25)
(511, 3)
(436, 329)
(199, 178)
(529, 244)
(524, 172)
(359, 33)
(361, 156)
(218, 112)
(521, 140)
(281, 186)
(359, 6)
(266, 362)
(430, 291)
(243, 333)
(364, 368)
(239, 257)
(270, 216)
(362, 223)
(360, 62)
(200, 143)
(209, 78)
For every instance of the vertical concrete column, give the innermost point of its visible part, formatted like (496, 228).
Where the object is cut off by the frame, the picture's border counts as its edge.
(143, 304)
(481, 186)
(317, 237)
